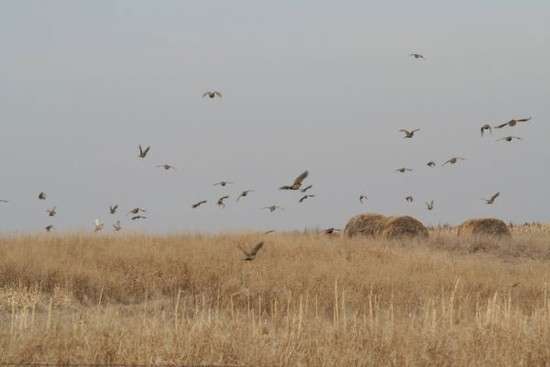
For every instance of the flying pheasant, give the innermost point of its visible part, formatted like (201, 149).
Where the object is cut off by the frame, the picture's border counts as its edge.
(454, 160)
(408, 133)
(331, 230)
(42, 196)
(49, 227)
(113, 208)
(513, 122)
(220, 203)
(492, 199)
(137, 211)
(307, 196)
(143, 153)
(306, 188)
(197, 204)
(270, 231)
(166, 167)
(509, 138)
(409, 199)
(244, 194)
(486, 127)
(51, 212)
(297, 182)
(250, 255)
(430, 164)
(362, 197)
(430, 205)
(212, 94)
(403, 170)
(223, 183)
(272, 208)
(417, 56)
(139, 216)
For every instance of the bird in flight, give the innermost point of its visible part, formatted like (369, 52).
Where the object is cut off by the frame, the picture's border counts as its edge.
(306, 188)
(272, 208)
(117, 227)
(143, 153)
(98, 225)
(113, 208)
(403, 170)
(51, 212)
(512, 122)
(409, 199)
(408, 133)
(212, 94)
(307, 196)
(223, 183)
(331, 230)
(430, 205)
(166, 167)
(297, 182)
(270, 231)
(430, 164)
(221, 204)
(509, 138)
(250, 255)
(139, 216)
(244, 194)
(49, 227)
(362, 197)
(417, 56)
(137, 211)
(454, 160)
(486, 127)
(492, 199)
(196, 205)
(42, 196)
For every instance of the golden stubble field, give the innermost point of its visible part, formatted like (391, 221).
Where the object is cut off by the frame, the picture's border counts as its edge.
(307, 300)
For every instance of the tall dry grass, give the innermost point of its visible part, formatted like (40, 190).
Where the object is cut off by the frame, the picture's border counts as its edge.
(307, 300)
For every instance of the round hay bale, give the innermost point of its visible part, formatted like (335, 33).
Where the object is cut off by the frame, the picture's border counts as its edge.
(365, 225)
(487, 227)
(404, 227)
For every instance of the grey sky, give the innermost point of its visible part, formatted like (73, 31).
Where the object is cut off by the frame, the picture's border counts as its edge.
(318, 85)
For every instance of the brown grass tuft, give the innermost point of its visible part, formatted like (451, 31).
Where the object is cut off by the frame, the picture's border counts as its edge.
(404, 227)
(370, 225)
(484, 227)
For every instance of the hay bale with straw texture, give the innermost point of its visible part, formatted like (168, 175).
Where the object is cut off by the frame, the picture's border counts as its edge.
(404, 227)
(365, 225)
(488, 227)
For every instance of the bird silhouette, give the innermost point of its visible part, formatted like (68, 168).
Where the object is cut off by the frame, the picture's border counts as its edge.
(307, 196)
(49, 227)
(492, 199)
(297, 182)
(304, 190)
(212, 94)
(486, 127)
(143, 153)
(42, 196)
(512, 122)
(51, 212)
(509, 138)
(223, 183)
(331, 230)
(244, 194)
(362, 197)
(137, 211)
(197, 204)
(408, 133)
(166, 167)
(117, 227)
(270, 231)
(139, 216)
(250, 255)
(403, 170)
(113, 208)
(98, 225)
(409, 199)
(417, 56)
(430, 205)
(272, 208)
(430, 164)
(220, 202)
(454, 160)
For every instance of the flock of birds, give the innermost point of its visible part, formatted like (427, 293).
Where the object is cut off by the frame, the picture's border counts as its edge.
(138, 213)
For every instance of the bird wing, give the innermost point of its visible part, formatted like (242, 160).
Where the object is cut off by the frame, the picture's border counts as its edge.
(256, 248)
(218, 94)
(146, 150)
(524, 119)
(495, 196)
(415, 130)
(205, 94)
(301, 178)
(243, 250)
(501, 125)
(405, 131)
(285, 187)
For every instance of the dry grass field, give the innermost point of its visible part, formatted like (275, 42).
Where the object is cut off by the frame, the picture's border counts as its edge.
(307, 300)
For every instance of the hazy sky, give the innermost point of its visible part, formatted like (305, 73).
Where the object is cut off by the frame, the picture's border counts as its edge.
(318, 85)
